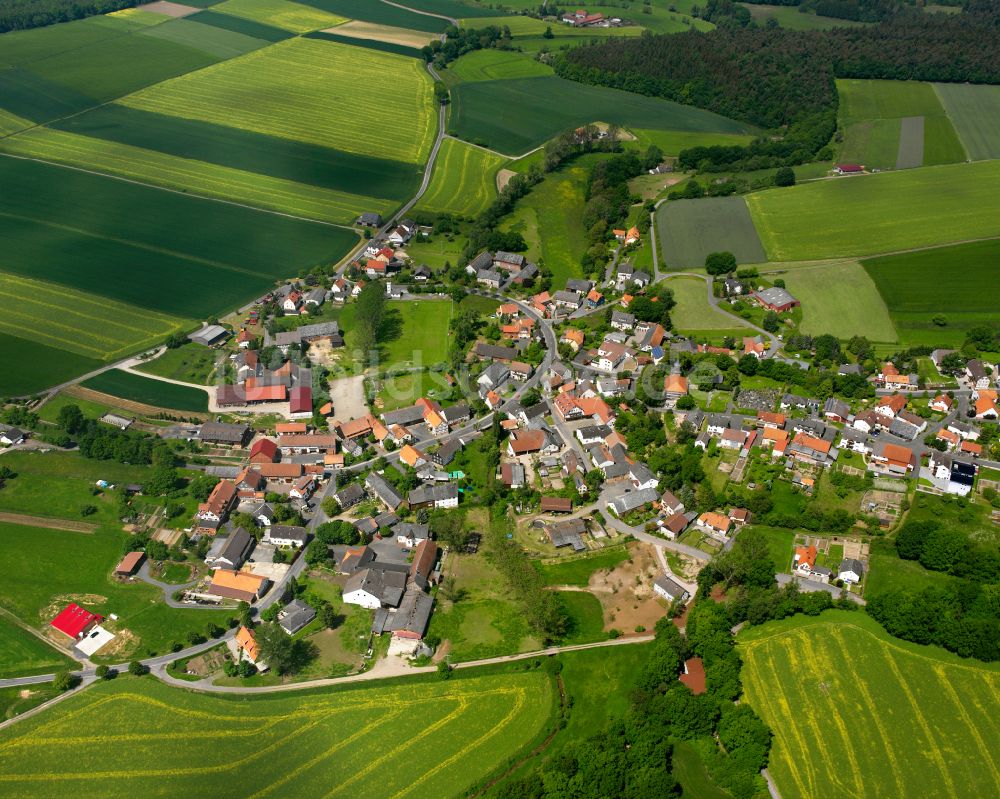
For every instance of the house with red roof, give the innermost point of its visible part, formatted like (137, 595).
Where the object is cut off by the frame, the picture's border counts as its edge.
(75, 621)
(264, 450)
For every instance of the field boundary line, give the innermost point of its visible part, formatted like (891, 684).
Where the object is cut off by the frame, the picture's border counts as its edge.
(48, 522)
(971, 726)
(46, 705)
(197, 196)
(452, 20)
(120, 403)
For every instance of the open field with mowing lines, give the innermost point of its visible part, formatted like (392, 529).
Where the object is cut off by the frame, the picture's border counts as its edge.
(895, 124)
(692, 311)
(913, 289)
(148, 247)
(148, 391)
(494, 65)
(216, 41)
(20, 48)
(196, 177)
(834, 219)
(856, 712)
(451, 8)
(842, 300)
(331, 742)
(690, 229)
(258, 30)
(514, 116)
(381, 14)
(464, 179)
(84, 323)
(306, 90)
(975, 112)
(294, 17)
(29, 366)
(23, 654)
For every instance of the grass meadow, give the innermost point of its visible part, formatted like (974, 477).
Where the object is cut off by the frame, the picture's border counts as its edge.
(136, 388)
(27, 366)
(289, 16)
(857, 712)
(190, 363)
(835, 218)
(692, 311)
(516, 115)
(577, 571)
(842, 300)
(330, 742)
(975, 112)
(585, 617)
(77, 568)
(306, 90)
(873, 115)
(790, 18)
(915, 292)
(690, 229)
(216, 41)
(495, 64)
(244, 25)
(673, 141)
(464, 179)
(24, 654)
(381, 14)
(414, 333)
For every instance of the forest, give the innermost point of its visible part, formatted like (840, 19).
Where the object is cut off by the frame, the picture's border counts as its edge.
(783, 80)
(23, 14)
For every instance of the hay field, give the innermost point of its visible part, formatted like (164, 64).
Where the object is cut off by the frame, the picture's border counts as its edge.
(307, 90)
(858, 713)
(383, 33)
(464, 179)
(693, 312)
(496, 64)
(975, 112)
(689, 230)
(289, 16)
(323, 744)
(842, 300)
(873, 214)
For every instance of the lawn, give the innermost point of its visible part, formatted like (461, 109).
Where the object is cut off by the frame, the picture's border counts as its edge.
(28, 366)
(911, 285)
(293, 17)
(840, 299)
(24, 654)
(516, 115)
(191, 363)
(401, 391)
(329, 745)
(49, 412)
(875, 703)
(895, 124)
(689, 768)
(585, 617)
(306, 90)
(839, 218)
(171, 161)
(143, 246)
(791, 18)
(416, 332)
(80, 322)
(673, 141)
(437, 252)
(14, 703)
(577, 571)
(133, 387)
(382, 14)
(692, 311)
(975, 113)
(77, 567)
(464, 180)
(888, 572)
(690, 229)
(495, 64)
(779, 545)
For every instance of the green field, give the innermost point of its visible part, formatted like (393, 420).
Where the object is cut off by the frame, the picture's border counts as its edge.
(149, 391)
(857, 712)
(27, 366)
(673, 141)
(913, 289)
(842, 300)
(77, 567)
(791, 18)
(464, 179)
(382, 14)
(891, 124)
(495, 64)
(516, 115)
(190, 363)
(577, 571)
(249, 27)
(219, 42)
(84, 323)
(550, 219)
(834, 218)
(693, 312)
(975, 113)
(585, 617)
(23, 654)
(690, 229)
(306, 90)
(330, 742)
(294, 17)
(414, 333)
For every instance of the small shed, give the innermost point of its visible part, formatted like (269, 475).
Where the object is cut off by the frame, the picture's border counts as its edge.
(130, 564)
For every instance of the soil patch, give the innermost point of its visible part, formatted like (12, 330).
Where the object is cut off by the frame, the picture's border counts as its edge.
(626, 592)
(382, 33)
(169, 9)
(503, 178)
(49, 524)
(348, 397)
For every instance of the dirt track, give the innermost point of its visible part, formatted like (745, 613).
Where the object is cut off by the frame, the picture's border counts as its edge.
(45, 521)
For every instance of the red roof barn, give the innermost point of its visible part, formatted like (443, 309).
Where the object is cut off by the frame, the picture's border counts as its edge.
(300, 400)
(74, 621)
(264, 451)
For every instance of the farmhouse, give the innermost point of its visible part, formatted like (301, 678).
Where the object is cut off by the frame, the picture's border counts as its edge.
(437, 495)
(670, 589)
(383, 491)
(715, 523)
(287, 536)
(892, 459)
(241, 586)
(380, 585)
(235, 435)
(236, 551)
(295, 615)
(776, 299)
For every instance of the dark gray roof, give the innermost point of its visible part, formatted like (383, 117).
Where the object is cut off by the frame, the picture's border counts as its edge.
(414, 613)
(634, 499)
(383, 490)
(672, 587)
(852, 564)
(318, 330)
(223, 433)
(622, 318)
(410, 530)
(508, 258)
(293, 533)
(370, 218)
(350, 495)
(387, 581)
(435, 492)
(209, 335)
(404, 416)
(237, 548)
(490, 275)
(446, 453)
(455, 413)
(776, 296)
(582, 286)
(571, 297)
(482, 261)
(295, 615)
(493, 351)
(567, 534)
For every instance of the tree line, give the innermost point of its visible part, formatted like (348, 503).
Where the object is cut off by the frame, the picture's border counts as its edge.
(784, 79)
(18, 15)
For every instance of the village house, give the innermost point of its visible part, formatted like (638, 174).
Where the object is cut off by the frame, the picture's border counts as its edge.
(715, 524)
(776, 299)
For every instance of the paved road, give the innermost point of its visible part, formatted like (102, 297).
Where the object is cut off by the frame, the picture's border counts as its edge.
(812, 586)
(169, 589)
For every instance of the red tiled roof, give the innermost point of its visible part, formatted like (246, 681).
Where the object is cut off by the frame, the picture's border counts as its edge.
(73, 620)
